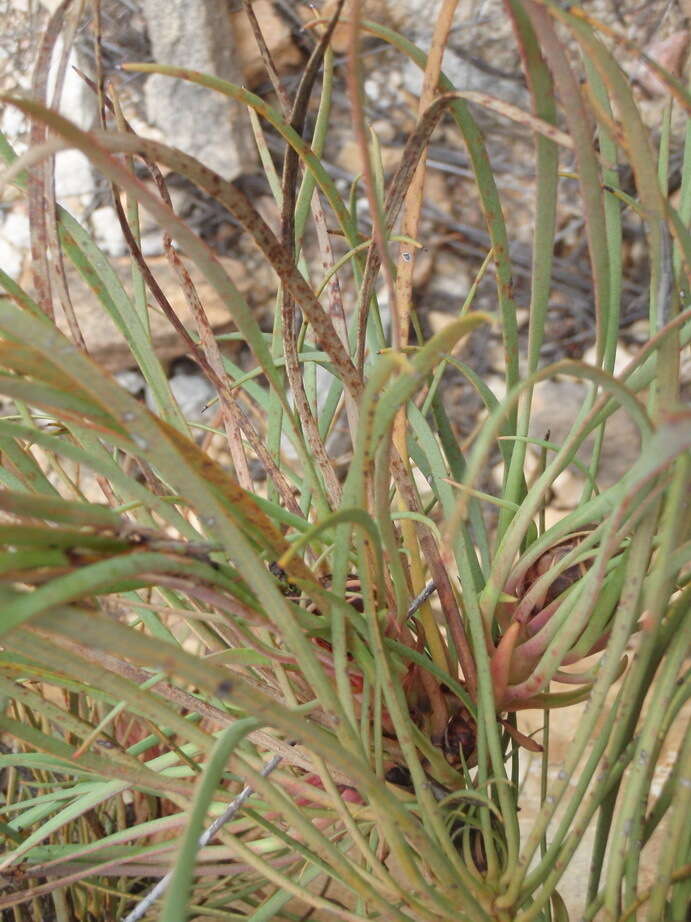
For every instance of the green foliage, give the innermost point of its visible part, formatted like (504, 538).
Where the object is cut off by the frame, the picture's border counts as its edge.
(160, 647)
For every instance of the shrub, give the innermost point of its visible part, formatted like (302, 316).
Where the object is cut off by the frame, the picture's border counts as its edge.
(192, 648)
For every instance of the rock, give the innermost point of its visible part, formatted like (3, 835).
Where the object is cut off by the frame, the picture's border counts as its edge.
(423, 268)
(621, 359)
(192, 392)
(73, 176)
(439, 320)
(16, 229)
(555, 406)
(400, 14)
(279, 41)
(132, 380)
(487, 34)
(668, 53)
(183, 111)
(78, 102)
(449, 281)
(151, 244)
(685, 368)
(182, 199)
(105, 342)
(497, 384)
(11, 259)
(564, 726)
(268, 210)
(349, 157)
(15, 241)
(466, 75)
(107, 231)
(567, 490)
(384, 130)
(13, 124)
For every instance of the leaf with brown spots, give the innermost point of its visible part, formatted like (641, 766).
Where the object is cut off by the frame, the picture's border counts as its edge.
(252, 518)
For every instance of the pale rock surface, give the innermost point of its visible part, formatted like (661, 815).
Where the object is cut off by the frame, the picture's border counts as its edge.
(107, 231)
(181, 199)
(621, 359)
(105, 342)
(564, 725)
(151, 244)
(555, 406)
(449, 282)
(132, 380)
(669, 53)
(567, 490)
(14, 241)
(73, 176)
(13, 124)
(200, 122)
(276, 34)
(11, 259)
(416, 19)
(16, 229)
(73, 173)
(439, 320)
(192, 392)
(349, 157)
(465, 75)
(77, 101)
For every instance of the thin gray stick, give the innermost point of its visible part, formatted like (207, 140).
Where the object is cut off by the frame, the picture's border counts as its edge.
(422, 597)
(204, 839)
